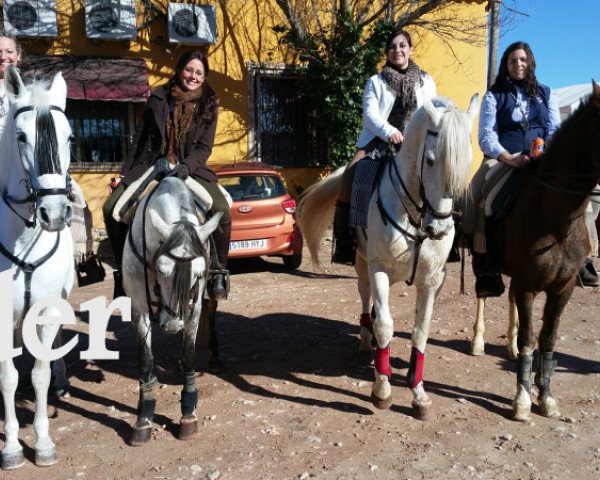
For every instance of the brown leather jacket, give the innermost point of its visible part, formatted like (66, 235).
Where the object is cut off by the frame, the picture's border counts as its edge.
(195, 147)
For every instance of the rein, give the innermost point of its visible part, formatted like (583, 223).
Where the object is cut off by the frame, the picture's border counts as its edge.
(422, 209)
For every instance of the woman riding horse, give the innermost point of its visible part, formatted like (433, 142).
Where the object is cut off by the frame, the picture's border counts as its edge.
(389, 99)
(516, 110)
(179, 123)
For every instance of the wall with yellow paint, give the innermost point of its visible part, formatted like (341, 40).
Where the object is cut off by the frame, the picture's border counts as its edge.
(245, 34)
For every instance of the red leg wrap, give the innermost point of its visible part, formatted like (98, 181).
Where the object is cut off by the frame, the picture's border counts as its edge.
(415, 370)
(382, 361)
(365, 321)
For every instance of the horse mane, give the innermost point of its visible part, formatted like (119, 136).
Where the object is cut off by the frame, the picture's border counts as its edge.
(454, 142)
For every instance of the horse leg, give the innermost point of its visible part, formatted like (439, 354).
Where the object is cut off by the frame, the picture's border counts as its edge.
(525, 343)
(188, 425)
(207, 316)
(365, 350)
(45, 450)
(12, 454)
(421, 404)
(147, 402)
(478, 343)
(59, 371)
(553, 309)
(383, 330)
(513, 326)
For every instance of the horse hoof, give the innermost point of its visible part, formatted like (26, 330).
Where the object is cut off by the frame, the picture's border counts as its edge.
(381, 404)
(10, 461)
(366, 357)
(422, 412)
(521, 414)
(45, 458)
(477, 351)
(140, 436)
(188, 427)
(549, 408)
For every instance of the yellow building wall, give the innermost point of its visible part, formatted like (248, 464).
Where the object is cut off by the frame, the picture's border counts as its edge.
(245, 34)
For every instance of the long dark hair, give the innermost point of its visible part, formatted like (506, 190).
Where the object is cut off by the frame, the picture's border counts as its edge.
(394, 34)
(530, 81)
(206, 110)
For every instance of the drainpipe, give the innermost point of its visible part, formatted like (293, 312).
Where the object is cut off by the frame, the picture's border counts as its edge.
(494, 40)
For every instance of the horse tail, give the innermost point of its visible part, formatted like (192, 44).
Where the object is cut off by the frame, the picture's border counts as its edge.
(316, 207)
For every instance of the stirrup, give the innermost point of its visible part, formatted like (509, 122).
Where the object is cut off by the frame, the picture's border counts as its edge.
(218, 284)
(344, 252)
(489, 285)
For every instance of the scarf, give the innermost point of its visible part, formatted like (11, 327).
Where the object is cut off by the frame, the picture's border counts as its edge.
(180, 119)
(403, 84)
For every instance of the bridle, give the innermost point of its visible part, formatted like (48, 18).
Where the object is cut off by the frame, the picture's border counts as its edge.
(422, 207)
(182, 263)
(33, 194)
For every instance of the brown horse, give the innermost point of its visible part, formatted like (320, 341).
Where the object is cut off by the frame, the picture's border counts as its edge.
(544, 243)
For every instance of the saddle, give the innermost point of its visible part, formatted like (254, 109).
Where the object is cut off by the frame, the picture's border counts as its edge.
(498, 194)
(136, 191)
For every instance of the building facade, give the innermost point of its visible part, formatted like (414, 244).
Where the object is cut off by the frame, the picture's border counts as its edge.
(112, 52)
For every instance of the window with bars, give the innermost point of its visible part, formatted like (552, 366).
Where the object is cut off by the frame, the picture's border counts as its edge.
(283, 128)
(101, 131)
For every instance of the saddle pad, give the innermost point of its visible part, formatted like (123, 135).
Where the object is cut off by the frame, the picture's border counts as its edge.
(495, 179)
(362, 189)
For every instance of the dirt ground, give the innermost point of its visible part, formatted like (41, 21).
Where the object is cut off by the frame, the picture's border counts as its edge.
(293, 402)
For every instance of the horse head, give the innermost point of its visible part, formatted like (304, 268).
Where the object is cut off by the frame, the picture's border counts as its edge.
(41, 151)
(181, 264)
(444, 160)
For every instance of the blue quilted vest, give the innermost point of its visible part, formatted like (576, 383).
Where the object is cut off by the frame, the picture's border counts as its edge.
(512, 135)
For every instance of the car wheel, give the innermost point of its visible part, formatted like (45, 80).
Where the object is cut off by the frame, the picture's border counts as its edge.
(292, 261)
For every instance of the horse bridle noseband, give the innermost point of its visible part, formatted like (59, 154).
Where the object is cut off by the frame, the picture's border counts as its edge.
(35, 193)
(422, 208)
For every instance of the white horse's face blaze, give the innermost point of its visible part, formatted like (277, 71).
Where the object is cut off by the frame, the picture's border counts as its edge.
(42, 135)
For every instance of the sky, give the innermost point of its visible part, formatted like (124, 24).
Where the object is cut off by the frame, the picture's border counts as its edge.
(564, 36)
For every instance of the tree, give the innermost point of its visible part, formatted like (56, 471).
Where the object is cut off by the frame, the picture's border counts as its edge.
(339, 44)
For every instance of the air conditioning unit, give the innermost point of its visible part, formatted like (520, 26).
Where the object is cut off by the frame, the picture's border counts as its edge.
(110, 19)
(30, 18)
(191, 24)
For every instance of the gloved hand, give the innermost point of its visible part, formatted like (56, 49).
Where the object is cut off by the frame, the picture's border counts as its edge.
(181, 170)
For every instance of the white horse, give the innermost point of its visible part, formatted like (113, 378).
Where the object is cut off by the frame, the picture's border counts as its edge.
(409, 233)
(165, 267)
(35, 243)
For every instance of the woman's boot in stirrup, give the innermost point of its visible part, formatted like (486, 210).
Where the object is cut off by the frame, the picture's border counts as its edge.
(344, 246)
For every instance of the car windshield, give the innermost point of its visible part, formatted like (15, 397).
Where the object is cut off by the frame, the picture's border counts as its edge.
(248, 187)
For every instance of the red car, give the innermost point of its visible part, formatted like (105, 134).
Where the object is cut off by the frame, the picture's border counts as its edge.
(263, 214)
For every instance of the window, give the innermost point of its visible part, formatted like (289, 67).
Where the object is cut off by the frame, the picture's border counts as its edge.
(101, 131)
(282, 127)
(244, 187)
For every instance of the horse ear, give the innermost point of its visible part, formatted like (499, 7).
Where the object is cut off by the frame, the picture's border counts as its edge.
(430, 109)
(209, 227)
(473, 108)
(163, 229)
(12, 81)
(59, 90)
(595, 89)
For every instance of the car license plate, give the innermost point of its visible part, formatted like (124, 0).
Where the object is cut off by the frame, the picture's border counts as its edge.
(247, 244)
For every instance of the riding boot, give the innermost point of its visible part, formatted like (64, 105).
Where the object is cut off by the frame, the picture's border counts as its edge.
(588, 277)
(118, 288)
(488, 279)
(344, 246)
(218, 281)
